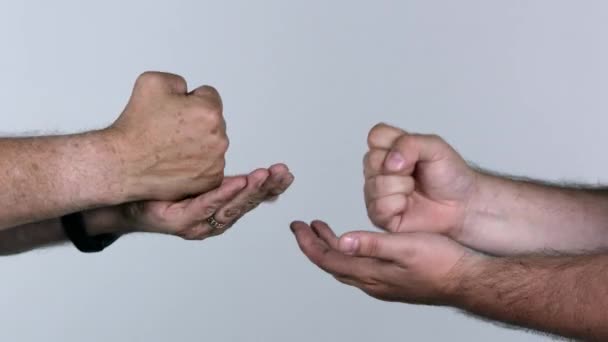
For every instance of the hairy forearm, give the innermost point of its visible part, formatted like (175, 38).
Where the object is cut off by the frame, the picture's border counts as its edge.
(47, 177)
(50, 232)
(563, 295)
(510, 217)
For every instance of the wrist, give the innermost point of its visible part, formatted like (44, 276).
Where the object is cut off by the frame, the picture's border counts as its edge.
(465, 274)
(480, 209)
(116, 173)
(99, 162)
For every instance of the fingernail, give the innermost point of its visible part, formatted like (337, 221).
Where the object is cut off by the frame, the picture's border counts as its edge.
(348, 245)
(394, 161)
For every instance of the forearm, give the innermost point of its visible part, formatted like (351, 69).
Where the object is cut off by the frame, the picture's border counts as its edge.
(510, 217)
(47, 177)
(50, 232)
(561, 295)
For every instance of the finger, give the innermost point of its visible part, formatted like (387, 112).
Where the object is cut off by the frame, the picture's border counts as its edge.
(410, 149)
(383, 210)
(276, 174)
(349, 281)
(375, 245)
(250, 196)
(200, 231)
(277, 182)
(285, 184)
(330, 260)
(373, 162)
(383, 136)
(285, 179)
(386, 185)
(205, 205)
(210, 94)
(325, 233)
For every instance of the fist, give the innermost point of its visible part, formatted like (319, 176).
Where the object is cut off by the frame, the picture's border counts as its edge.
(415, 182)
(171, 142)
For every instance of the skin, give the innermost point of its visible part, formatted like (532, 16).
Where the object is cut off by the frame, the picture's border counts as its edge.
(563, 295)
(166, 145)
(418, 182)
(459, 237)
(186, 218)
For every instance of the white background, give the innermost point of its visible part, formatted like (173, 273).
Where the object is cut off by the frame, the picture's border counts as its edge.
(516, 86)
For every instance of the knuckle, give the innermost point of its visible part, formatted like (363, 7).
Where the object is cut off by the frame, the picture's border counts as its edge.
(376, 159)
(211, 179)
(366, 158)
(208, 91)
(209, 96)
(435, 138)
(223, 144)
(155, 79)
(405, 141)
(375, 132)
(213, 117)
(149, 76)
(372, 246)
(377, 209)
(379, 183)
(149, 79)
(180, 84)
(209, 210)
(218, 168)
(320, 258)
(252, 204)
(231, 213)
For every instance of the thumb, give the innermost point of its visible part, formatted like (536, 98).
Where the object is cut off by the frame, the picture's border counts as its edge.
(410, 149)
(371, 244)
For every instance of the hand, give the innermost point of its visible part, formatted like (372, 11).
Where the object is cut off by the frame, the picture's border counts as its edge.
(171, 143)
(228, 203)
(417, 268)
(416, 182)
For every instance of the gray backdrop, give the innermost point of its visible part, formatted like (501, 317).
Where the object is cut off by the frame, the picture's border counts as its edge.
(516, 86)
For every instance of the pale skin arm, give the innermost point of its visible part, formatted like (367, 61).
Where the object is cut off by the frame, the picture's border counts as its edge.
(417, 182)
(508, 216)
(50, 176)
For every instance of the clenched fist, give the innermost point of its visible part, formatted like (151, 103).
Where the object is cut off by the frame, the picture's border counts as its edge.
(171, 142)
(416, 182)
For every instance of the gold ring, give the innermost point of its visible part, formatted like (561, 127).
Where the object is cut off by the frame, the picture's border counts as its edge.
(214, 224)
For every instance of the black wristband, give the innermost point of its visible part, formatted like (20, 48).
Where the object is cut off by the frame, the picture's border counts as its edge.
(75, 230)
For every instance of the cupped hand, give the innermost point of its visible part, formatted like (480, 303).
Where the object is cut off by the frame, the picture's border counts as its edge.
(236, 196)
(417, 268)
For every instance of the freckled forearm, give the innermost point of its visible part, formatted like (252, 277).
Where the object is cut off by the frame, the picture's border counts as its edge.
(563, 295)
(48, 177)
(510, 217)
